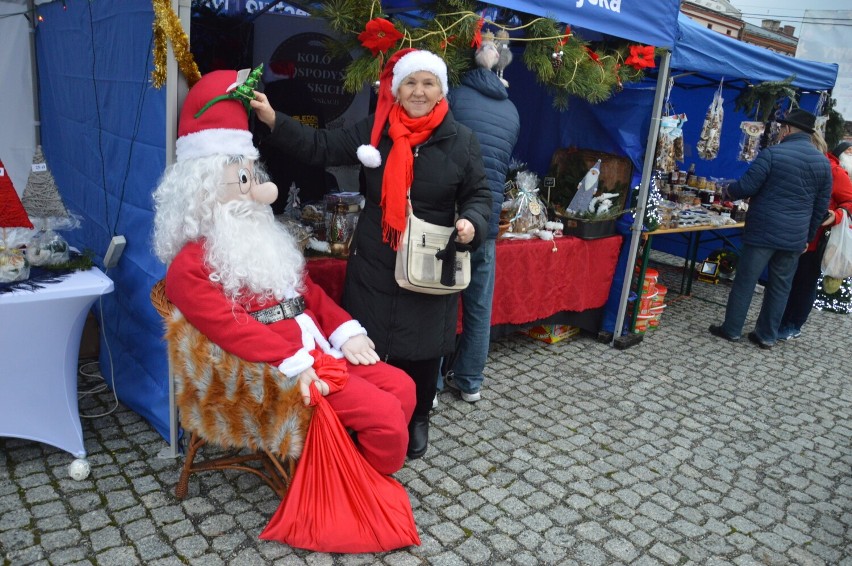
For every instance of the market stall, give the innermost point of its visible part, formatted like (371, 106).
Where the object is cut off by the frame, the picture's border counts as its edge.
(104, 130)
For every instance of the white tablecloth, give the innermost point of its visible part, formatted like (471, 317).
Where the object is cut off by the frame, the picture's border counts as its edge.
(40, 334)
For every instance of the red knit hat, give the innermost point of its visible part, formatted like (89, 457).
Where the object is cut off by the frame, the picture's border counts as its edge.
(401, 64)
(222, 128)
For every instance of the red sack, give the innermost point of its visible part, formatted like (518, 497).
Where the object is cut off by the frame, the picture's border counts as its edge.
(337, 502)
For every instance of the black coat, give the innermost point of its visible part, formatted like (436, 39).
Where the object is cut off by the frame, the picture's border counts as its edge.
(448, 177)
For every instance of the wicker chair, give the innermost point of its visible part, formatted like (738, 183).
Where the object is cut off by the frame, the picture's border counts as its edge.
(268, 448)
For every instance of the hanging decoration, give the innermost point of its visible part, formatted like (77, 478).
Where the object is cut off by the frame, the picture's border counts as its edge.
(750, 140)
(565, 64)
(669, 150)
(711, 131)
(167, 27)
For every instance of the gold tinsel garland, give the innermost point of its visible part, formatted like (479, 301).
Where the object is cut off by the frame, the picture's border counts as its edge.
(167, 26)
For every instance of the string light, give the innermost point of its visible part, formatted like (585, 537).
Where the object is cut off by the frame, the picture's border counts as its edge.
(839, 302)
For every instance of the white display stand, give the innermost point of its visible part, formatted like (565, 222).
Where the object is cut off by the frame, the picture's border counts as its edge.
(40, 333)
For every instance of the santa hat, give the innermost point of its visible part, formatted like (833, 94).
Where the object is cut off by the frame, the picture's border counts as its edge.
(401, 64)
(221, 128)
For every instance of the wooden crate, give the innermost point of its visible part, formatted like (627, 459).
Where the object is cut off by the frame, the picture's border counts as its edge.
(568, 166)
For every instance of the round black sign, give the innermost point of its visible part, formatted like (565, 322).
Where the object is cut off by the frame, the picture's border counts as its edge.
(304, 62)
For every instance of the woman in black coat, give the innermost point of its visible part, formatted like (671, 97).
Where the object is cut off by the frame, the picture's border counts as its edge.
(413, 147)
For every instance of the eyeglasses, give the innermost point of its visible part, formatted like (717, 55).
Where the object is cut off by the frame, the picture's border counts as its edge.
(246, 179)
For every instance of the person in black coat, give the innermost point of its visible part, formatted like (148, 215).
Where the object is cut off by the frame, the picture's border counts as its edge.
(412, 146)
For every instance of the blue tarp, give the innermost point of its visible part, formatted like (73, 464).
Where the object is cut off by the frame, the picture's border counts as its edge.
(711, 53)
(103, 135)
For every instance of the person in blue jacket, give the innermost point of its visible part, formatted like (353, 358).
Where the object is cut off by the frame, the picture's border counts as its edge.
(788, 187)
(481, 102)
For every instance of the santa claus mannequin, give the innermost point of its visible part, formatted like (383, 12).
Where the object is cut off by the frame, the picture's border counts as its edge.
(238, 276)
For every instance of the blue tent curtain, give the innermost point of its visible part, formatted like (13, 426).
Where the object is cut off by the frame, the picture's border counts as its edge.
(104, 140)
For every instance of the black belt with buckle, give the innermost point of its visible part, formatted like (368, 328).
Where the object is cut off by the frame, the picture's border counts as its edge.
(291, 308)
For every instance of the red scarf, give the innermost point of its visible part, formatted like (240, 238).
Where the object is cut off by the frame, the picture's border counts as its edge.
(406, 132)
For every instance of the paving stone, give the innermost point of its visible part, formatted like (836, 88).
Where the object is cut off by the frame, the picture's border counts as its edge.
(578, 454)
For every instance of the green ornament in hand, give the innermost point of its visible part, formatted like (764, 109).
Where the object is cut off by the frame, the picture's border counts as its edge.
(243, 93)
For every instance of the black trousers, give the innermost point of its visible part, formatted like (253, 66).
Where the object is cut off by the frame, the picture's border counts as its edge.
(425, 376)
(804, 289)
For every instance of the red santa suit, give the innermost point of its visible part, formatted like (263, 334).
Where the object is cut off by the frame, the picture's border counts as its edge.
(378, 400)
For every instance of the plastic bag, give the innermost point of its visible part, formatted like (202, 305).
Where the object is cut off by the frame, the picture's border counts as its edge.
(837, 259)
(338, 502)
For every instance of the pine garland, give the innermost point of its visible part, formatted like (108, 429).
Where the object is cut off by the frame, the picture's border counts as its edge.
(566, 65)
(761, 100)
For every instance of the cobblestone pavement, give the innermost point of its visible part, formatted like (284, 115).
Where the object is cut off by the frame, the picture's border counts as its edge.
(684, 449)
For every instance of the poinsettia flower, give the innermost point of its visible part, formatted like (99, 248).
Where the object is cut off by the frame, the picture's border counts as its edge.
(477, 34)
(592, 55)
(641, 57)
(447, 42)
(379, 35)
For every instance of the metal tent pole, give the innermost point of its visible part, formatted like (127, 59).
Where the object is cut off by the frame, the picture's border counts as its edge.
(176, 90)
(641, 204)
(34, 71)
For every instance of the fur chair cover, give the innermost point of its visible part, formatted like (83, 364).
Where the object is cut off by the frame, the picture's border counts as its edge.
(231, 402)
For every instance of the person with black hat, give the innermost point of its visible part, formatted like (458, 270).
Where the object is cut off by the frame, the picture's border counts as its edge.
(804, 289)
(788, 186)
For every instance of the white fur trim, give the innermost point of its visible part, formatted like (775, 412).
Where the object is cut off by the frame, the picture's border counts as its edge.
(297, 363)
(216, 141)
(369, 156)
(419, 61)
(344, 332)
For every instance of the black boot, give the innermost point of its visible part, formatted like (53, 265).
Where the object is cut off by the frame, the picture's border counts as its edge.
(418, 436)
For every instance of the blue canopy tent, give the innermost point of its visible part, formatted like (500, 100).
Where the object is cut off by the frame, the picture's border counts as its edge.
(700, 59)
(107, 136)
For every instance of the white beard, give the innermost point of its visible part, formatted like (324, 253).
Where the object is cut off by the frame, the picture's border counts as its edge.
(846, 162)
(250, 253)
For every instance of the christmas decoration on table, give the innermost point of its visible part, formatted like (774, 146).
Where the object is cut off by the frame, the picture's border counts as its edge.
(341, 218)
(586, 190)
(561, 61)
(528, 212)
(43, 203)
(711, 131)
(293, 208)
(13, 265)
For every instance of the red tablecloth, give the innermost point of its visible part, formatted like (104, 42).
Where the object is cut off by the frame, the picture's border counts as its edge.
(532, 281)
